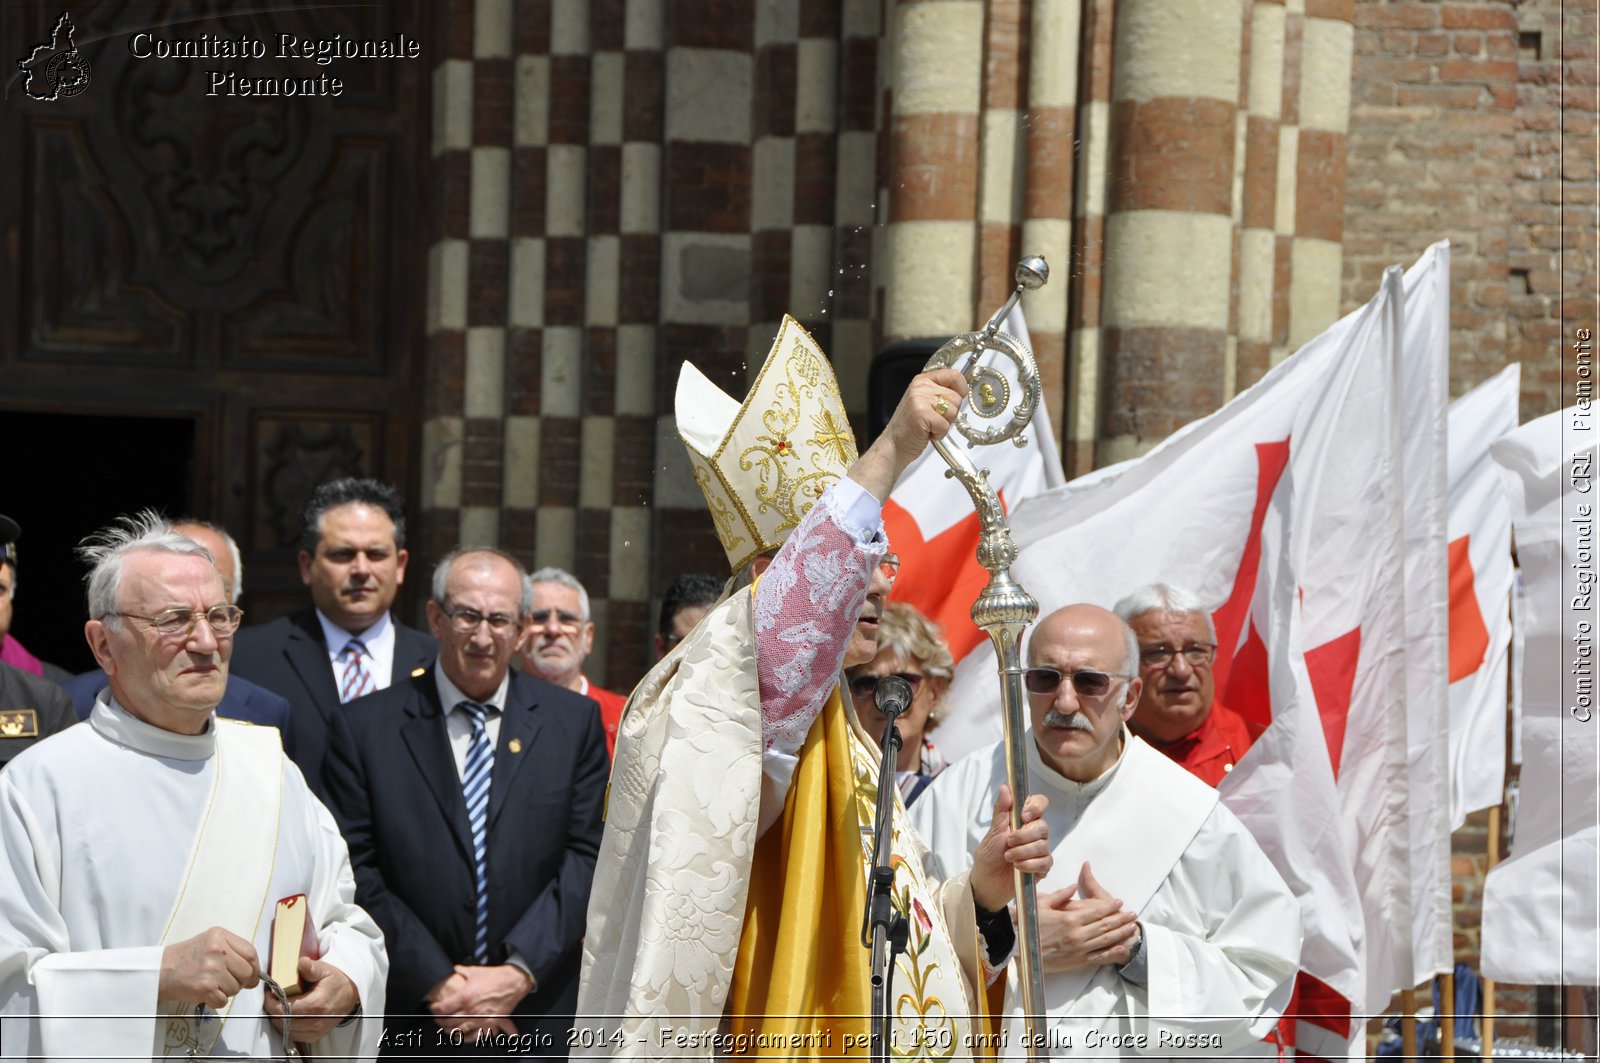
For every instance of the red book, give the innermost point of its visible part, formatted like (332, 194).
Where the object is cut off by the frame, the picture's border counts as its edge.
(294, 934)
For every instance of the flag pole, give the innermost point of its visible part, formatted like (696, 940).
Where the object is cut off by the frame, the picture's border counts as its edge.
(1004, 610)
(1447, 1014)
(1488, 984)
(1408, 1024)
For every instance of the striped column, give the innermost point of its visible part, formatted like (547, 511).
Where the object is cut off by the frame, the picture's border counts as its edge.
(1169, 229)
(1085, 283)
(530, 149)
(856, 199)
(705, 290)
(1258, 194)
(562, 358)
(1006, 137)
(488, 271)
(638, 287)
(443, 427)
(1288, 155)
(1328, 41)
(595, 548)
(817, 273)
(1053, 71)
(772, 185)
(933, 180)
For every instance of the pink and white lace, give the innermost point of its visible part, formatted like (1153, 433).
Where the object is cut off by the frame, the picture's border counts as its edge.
(806, 606)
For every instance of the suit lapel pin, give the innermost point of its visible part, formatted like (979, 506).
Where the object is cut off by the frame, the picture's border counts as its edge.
(515, 745)
(417, 671)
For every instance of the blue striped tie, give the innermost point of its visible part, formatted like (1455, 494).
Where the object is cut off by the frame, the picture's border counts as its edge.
(475, 786)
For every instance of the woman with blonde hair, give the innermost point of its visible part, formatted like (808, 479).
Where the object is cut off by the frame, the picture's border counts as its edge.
(912, 647)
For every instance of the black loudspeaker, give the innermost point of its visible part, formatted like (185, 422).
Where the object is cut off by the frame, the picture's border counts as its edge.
(890, 375)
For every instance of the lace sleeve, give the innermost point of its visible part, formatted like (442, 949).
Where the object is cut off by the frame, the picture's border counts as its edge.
(806, 606)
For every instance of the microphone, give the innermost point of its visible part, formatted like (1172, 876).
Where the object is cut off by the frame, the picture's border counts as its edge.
(892, 694)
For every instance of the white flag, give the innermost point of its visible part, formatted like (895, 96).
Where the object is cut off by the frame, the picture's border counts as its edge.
(1541, 907)
(1286, 512)
(1480, 594)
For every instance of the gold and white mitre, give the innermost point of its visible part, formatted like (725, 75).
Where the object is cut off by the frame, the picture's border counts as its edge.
(764, 464)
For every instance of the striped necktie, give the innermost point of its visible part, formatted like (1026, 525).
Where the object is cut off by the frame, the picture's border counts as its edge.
(475, 787)
(357, 680)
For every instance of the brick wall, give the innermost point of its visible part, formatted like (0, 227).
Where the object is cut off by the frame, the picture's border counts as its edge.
(1458, 130)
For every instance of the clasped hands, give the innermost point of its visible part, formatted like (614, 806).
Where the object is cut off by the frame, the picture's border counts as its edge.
(214, 965)
(1084, 925)
(470, 999)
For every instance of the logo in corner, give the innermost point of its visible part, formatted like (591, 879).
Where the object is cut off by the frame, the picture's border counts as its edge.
(57, 70)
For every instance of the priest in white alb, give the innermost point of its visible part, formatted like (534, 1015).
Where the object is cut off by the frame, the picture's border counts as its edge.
(1164, 929)
(143, 854)
(737, 841)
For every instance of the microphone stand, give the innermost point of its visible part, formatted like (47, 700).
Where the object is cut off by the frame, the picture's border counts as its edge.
(882, 931)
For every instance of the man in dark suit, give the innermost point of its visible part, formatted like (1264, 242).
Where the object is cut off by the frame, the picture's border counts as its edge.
(471, 799)
(242, 700)
(31, 709)
(353, 558)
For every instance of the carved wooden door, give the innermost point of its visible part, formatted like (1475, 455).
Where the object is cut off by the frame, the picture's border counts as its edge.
(253, 263)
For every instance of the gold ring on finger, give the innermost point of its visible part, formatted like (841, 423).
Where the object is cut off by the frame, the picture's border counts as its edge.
(941, 405)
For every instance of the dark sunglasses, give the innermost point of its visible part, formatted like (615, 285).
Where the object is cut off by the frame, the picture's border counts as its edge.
(862, 687)
(1086, 683)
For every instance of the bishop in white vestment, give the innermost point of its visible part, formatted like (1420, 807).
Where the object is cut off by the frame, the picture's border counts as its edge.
(1191, 939)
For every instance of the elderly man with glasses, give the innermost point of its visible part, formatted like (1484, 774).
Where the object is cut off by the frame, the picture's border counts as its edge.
(1178, 713)
(147, 852)
(561, 638)
(1164, 929)
(471, 797)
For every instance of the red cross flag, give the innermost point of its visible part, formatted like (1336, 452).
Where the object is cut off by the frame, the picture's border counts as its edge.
(1480, 594)
(1309, 514)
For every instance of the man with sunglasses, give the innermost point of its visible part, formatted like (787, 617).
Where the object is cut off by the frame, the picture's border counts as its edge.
(1178, 713)
(1164, 929)
(142, 852)
(471, 798)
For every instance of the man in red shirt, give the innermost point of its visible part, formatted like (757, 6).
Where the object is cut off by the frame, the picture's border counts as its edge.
(1177, 712)
(559, 640)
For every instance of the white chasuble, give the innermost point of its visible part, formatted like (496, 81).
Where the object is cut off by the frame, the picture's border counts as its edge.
(98, 833)
(1222, 931)
(673, 877)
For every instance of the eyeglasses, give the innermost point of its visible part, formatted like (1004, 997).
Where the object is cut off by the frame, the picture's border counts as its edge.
(1198, 654)
(466, 621)
(890, 567)
(565, 620)
(223, 620)
(1087, 683)
(862, 687)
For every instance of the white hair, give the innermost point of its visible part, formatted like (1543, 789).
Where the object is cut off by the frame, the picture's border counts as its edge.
(233, 552)
(145, 532)
(1163, 598)
(561, 577)
(441, 574)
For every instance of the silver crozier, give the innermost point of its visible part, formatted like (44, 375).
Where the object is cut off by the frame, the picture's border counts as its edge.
(1004, 610)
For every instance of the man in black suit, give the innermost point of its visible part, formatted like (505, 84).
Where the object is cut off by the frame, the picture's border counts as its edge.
(471, 799)
(353, 558)
(242, 699)
(31, 710)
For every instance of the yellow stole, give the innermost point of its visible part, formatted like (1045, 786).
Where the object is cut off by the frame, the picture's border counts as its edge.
(800, 983)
